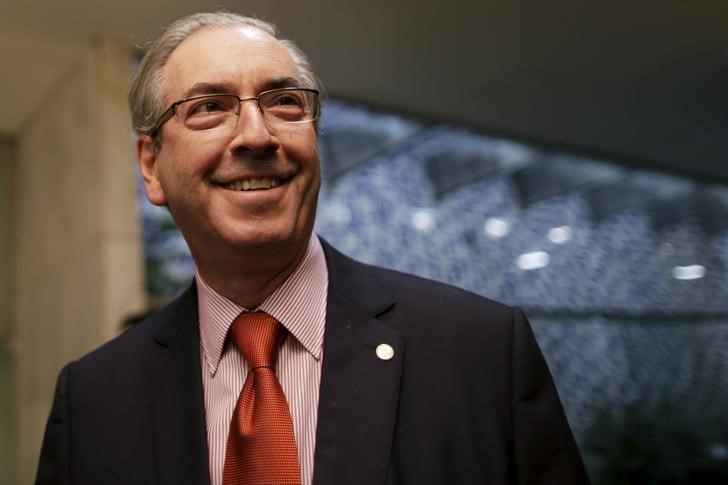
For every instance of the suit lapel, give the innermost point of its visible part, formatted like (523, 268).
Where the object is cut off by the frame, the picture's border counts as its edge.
(176, 398)
(358, 396)
(359, 390)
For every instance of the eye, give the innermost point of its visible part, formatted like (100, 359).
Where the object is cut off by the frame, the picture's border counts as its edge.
(209, 105)
(288, 105)
(207, 112)
(288, 100)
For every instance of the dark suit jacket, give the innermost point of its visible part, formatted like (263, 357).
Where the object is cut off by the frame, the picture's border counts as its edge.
(467, 398)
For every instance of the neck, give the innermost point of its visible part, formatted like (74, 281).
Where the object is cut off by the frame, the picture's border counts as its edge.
(251, 280)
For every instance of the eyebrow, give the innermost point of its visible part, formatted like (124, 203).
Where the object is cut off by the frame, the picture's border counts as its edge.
(282, 82)
(207, 88)
(225, 88)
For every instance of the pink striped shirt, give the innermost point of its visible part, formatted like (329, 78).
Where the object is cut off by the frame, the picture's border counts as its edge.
(300, 305)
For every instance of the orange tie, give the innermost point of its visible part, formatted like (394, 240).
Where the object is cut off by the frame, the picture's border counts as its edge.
(261, 448)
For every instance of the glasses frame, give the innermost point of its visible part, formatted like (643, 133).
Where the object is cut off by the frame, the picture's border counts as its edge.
(172, 110)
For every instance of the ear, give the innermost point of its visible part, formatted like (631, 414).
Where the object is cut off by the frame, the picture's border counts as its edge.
(147, 155)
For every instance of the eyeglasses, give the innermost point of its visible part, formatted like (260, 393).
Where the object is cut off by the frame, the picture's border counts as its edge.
(210, 111)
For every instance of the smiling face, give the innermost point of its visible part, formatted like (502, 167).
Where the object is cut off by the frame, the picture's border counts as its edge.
(244, 197)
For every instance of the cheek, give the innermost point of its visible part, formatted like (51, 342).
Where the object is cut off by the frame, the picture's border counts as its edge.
(188, 162)
(317, 177)
(302, 150)
(313, 169)
(310, 163)
(300, 144)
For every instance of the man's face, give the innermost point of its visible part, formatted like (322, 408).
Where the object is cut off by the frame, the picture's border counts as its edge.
(199, 174)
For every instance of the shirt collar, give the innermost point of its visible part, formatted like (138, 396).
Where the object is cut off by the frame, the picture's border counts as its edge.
(299, 304)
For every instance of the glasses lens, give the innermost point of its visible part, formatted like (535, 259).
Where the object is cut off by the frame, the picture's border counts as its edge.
(206, 112)
(289, 105)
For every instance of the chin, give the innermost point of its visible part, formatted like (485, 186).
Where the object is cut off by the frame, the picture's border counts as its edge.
(273, 241)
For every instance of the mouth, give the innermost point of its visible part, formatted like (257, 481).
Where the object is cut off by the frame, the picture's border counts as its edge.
(247, 184)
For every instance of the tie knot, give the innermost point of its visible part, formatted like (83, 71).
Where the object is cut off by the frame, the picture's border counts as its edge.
(257, 335)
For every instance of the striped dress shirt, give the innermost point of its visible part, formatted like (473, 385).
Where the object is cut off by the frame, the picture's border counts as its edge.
(300, 305)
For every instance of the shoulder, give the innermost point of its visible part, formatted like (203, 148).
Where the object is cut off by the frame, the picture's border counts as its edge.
(419, 300)
(433, 293)
(133, 347)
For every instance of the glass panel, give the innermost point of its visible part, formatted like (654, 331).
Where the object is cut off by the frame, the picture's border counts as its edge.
(622, 271)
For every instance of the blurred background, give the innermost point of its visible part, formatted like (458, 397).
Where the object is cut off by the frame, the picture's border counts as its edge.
(564, 157)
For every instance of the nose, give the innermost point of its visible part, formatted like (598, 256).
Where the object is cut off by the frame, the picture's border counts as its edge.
(251, 133)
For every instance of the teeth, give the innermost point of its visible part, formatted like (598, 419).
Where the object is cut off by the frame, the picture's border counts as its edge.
(253, 184)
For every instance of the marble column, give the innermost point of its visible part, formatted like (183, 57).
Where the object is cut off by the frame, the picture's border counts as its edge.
(77, 252)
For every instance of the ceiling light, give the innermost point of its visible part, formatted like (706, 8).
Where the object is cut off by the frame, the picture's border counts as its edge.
(560, 235)
(533, 260)
(422, 220)
(496, 228)
(691, 272)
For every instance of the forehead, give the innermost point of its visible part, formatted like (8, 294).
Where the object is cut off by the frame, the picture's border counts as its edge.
(243, 57)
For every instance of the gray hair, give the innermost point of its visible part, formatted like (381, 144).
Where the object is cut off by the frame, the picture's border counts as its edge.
(146, 92)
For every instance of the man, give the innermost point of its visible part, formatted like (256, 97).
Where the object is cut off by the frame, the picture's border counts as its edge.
(384, 378)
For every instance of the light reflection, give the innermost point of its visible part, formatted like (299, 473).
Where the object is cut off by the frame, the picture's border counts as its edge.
(690, 272)
(496, 228)
(533, 260)
(561, 234)
(422, 220)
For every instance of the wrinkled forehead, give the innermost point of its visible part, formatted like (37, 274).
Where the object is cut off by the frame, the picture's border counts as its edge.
(244, 58)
